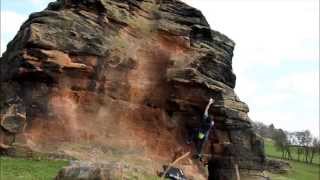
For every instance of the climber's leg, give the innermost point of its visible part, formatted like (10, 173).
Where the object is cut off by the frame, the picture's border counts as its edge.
(199, 145)
(191, 136)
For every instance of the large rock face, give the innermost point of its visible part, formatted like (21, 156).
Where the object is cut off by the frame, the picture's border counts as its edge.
(96, 79)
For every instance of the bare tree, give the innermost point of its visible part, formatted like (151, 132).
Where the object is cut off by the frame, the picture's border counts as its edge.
(315, 148)
(307, 144)
(299, 137)
(304, 140)
(264, 130)
(281, 143)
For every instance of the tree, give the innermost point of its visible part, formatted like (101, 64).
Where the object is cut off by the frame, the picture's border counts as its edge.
(271, 126)
(304, 140)
(281, 143)
(299, 138)
(264, 130)
(260, 128)
(307, 144)
(314, 149)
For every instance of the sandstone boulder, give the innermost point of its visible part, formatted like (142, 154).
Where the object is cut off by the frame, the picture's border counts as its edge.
(127, 79)
(100, 171)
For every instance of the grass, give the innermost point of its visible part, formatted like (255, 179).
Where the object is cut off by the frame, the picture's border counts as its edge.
(28, 169)
(39, 167)
(299, 170)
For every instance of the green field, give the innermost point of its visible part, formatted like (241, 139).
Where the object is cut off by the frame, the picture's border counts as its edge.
(28, 169)
(272, 151)
(299, 170)
(24, 169)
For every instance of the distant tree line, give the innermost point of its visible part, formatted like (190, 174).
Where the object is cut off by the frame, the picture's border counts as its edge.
(300, 143)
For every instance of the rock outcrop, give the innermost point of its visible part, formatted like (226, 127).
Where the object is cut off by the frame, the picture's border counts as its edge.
(102, 171)
(277, 166)
(97, 79)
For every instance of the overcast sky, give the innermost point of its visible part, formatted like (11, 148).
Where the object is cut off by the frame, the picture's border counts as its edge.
(276, 59)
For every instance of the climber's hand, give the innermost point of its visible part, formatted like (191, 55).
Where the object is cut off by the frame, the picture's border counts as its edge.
(211, 101)
(212, 123)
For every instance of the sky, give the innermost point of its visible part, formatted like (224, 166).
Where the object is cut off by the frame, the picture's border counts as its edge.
(276, 58)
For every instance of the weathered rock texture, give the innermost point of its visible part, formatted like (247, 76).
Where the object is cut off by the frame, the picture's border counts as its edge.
(277, 166)
(102, 171)
(126, 78)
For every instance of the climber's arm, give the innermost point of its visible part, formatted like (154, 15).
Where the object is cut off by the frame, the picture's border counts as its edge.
(206, 112)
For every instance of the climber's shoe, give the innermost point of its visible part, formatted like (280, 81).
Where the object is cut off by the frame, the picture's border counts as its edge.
(197, 157)
(201, 159)
(188, 141)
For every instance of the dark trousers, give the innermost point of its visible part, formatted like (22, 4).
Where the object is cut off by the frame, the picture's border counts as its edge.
(193, 137)
(199, 145)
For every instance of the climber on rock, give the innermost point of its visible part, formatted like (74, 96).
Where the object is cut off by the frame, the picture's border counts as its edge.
(200, 135)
